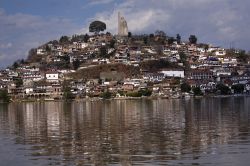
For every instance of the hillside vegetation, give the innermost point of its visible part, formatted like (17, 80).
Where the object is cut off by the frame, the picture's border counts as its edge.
(94, 72)
(156, 65)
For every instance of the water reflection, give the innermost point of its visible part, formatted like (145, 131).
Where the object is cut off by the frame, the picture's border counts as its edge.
(152, 132)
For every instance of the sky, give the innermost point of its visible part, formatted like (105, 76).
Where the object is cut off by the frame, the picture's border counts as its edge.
(26, 24)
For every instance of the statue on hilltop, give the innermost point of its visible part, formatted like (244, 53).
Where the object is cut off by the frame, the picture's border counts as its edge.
(122, 26)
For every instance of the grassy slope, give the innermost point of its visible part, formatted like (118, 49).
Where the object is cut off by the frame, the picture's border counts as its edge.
(94, 72)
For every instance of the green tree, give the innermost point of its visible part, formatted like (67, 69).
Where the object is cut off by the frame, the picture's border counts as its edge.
(140, 93)
(193, 39)
(122, 93)
(108, 33)
(145, 92)
(66, 58)
(54, 42)
(18, 81)
(86, 38)
(76, 63)
(185, 87)
(178, 38)
(97, 26)
(161, 36)
(64, 40)
(129, 34)
(112, 43)
(223, 89)
(106, 95)
(4, 97)
(238, 88)
(67, 94)
(197, 91)
(15, 65)
(159, 50)
(145, 40)
(242, 56)
(32, 55)
(103, 52)
(47, 48)
(206, 47)
(170, 40)
(74, 38)
(22, 61)
(160, 33)
(134, 94)
(183, 57)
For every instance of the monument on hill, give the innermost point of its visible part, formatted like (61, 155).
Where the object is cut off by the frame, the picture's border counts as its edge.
(122, 26)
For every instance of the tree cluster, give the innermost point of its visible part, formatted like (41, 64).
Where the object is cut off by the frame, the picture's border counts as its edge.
(97, 26)
(193, 39)
(4, 97)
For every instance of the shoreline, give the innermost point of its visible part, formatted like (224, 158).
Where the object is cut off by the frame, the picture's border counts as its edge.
(127, 98)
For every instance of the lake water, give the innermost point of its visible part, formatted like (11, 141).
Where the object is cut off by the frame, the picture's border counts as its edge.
(213, 131)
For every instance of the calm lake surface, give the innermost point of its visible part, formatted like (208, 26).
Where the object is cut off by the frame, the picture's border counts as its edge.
(213, 131)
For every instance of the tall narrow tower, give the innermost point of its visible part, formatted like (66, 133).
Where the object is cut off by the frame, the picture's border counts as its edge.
(122, 26)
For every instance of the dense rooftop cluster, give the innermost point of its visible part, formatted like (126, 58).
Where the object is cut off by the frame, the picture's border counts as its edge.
(103, 65)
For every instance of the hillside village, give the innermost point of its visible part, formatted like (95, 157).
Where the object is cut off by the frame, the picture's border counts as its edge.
(103, 65)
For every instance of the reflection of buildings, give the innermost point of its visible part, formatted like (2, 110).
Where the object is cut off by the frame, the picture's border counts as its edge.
(119, 131)
(53, 119)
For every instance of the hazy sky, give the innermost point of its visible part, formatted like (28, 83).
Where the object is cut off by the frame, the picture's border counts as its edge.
(25, 24)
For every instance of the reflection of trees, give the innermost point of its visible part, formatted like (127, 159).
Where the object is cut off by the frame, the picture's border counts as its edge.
(124, 131)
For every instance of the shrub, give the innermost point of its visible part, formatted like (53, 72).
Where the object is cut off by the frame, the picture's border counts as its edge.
(197, 91)
(4, 97)
(145, 92)
(106, 95)
(134, 94)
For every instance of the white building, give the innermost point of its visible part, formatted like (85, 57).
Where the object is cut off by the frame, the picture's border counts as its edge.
(223, 72)
(32, 76)
(134, 82)
(29, 90)
(220, 52)
(173, 73)
(40, 51)
(52, 76)
(212, 49)
(201, 49)
(80, 45)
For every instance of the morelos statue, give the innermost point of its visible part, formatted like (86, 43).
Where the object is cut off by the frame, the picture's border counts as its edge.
(122, 26)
